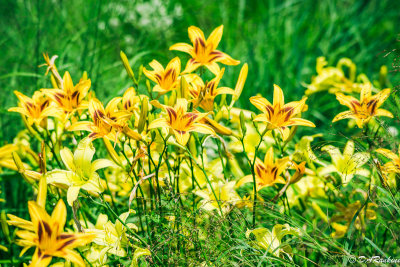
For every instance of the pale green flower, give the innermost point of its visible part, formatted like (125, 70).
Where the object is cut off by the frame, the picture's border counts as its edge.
(272, 240)
(81, 171)
(347, 164)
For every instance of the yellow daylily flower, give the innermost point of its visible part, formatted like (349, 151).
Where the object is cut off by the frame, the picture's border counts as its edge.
(334, 79)
(272, 240)
(394, 165)
(130, 101)
(227, 197)
(45, 232)
(36, 109)
(180, 121)
(106, 122)
(70, 98)
(280, 115)
(81, 171)
(111, 237)
(347, 164)
(204, 94)
(346, 215)
(267, 172)
(166, 79)
(364, 109)
(203, 52)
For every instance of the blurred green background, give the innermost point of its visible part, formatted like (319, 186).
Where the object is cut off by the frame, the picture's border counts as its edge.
(280, 40)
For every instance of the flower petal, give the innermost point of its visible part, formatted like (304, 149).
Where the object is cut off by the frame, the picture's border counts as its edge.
(279, 99)
(59, 215)
(215, 37)
(68, 158)
(72, 194)
(183, 47)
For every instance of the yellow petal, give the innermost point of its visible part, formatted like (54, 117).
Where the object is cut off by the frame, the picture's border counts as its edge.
(68, 158)
(196, 34)
(215, 37)
(67, 82)
(174, 64)
(84, 153)
(225, 90)
(213, 67)
(182, 47)
(344, 115)
(37, 214)
(261, 103)
(279, 99)
(383, 112)
(303, 122)
(241, 81)
(102, 163)
(244, 180)
(72, 194)
(182, 137)
(59, 215)
(226, 59)
(387, 153)
(348, 149)
(74, 257)
(348, 101)
(201, 128)
(81, 126)
(158, 123)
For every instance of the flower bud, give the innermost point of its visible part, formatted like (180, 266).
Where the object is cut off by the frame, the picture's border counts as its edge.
(127, 66)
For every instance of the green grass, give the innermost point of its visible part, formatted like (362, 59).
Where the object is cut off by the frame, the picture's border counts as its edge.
(279, 40)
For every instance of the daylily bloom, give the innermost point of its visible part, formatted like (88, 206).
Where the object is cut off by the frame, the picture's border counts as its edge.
(203, 52)
(69, 97)
(106, 122)
(267, 172)
(180, 121)
(364, 109)
(81, 171)
(346, 215)
(46, 234)
(347, 164)
(36, 109)
(280, 115)
(272, 240)
(130, 101)
(166, 79)
(204, 94)
(334, 79)
(394, 165)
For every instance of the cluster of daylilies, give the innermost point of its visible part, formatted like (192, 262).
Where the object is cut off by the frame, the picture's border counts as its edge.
(177, 134)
